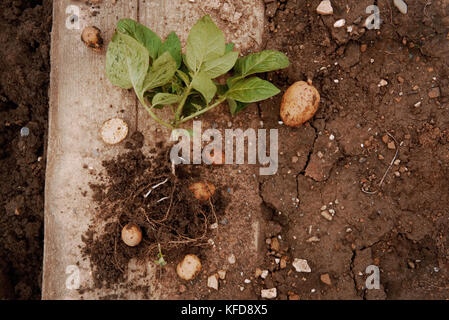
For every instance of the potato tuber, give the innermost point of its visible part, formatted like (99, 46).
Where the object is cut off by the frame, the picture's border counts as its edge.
(202, 190)
(299, 103)
(91, 37)
(189, 267)
(131, 234)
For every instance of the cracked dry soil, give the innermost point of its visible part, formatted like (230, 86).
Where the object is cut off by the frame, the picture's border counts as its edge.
(401, 228)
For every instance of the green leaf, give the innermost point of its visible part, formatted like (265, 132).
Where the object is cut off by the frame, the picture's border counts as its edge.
(205, 42)
(161, 72)
(164, 99)
(265, 61)
(236, 106)
(184, 77)
(141, 33)
(252, 90)
(172, 44)
(229, 47)
(217, 67)
(127, 62)
(204, 85)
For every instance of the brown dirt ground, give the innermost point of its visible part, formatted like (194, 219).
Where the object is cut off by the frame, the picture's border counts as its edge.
(402, 227)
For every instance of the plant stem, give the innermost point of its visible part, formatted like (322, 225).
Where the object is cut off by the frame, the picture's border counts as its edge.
(217, 102)
(154, 116)
(182, 103)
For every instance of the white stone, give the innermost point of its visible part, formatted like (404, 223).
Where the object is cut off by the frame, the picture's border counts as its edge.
(268, 293)
(401, 5)
(339, 23)
(212, 281)
(222, 274)
(264, 274)
(301, 265)
(231, 259)
(325, 8)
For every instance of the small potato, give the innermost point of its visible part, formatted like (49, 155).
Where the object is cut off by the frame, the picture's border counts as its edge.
(131, 234)
(189, 267)
(299, 103)
(114, 131)
(202, 190)
(91, 37)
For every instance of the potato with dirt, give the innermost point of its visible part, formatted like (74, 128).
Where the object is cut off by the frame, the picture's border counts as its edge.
(202, 190)
(131, 234)
(299, 104)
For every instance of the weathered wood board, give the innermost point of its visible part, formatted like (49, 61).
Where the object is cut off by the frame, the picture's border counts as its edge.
(81, 99)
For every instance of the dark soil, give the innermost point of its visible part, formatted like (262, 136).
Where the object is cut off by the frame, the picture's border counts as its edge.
(169, 216)
(24, 76)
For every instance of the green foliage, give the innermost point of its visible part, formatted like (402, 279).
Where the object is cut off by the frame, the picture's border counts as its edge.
(159, 72)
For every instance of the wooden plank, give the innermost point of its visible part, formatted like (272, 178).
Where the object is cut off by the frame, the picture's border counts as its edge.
(81, 99)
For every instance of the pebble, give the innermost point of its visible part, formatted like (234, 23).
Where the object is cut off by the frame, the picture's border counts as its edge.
(213, 226)
(339, 23)
(231, 259)
(264, 274)
(401, 5)
(325, 8)
(295, 159)
(301, 265)
(212, 281)
(331, 137)
(320, 154)
(222, 274)
(383, 83)
(275, 246)
(313, 239)
(224, 221)
(434, 93)
(24, 132)
(326, 279)
(323, 208)
(268, 293)
(391, 145)
(326, 215)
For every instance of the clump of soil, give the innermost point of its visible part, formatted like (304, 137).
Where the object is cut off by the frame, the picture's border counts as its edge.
(24, 77)
(144, 191)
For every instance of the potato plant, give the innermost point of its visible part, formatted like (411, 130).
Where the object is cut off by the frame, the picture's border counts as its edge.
(163, 76)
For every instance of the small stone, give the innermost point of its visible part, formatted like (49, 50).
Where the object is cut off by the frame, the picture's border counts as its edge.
(383, 83)
(182, 288)
(380, 157)
(326, 215)
(397, 174)
(401, 5)
(313, 239)
(339, 23)
(385, 139)
(264, 274)
(231, 259)
(293, 297)
(332, 211)
(400, 79)
(24, 132)
(326, 279)
(397, 162)
(325, 8)
(222, 274)
(283, 262)
(213, 226)
(268, 293)
(391, 145)
(363, 47)
(323, 208)
(275, 246)
(301, 265)
(212, 281)
(258, 273)
(434, 93)
(320, 154)
(295, 159)
(247, 281)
